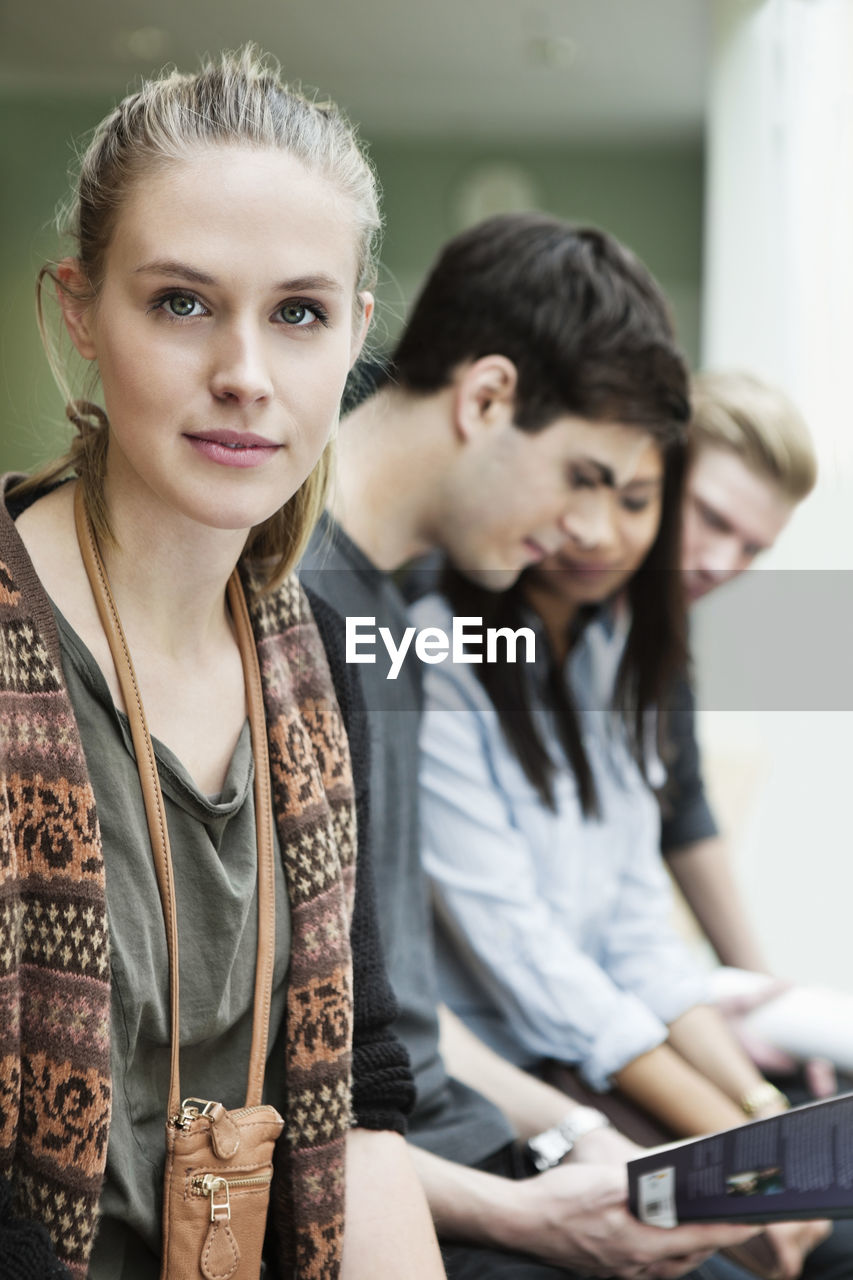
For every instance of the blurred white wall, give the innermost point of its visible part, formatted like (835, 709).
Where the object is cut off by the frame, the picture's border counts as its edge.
(778, 283)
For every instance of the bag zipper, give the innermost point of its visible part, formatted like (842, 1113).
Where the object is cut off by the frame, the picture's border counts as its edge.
(219, 1189)
(192, 1108)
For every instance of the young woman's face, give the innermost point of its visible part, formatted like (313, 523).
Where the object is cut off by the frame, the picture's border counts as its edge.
(223, 332)
(610, 535)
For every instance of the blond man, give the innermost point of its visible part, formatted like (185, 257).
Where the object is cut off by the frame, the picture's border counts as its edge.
(752, 463)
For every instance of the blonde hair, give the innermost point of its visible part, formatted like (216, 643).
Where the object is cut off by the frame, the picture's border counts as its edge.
(756, 421)
(240, 99)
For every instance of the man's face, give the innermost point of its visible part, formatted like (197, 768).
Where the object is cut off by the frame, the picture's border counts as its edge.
(516, 496)
(731, 514)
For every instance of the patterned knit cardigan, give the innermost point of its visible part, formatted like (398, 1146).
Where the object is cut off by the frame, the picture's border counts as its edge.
(54, 955)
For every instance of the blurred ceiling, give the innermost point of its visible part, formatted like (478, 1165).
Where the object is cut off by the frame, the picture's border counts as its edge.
(546, 69)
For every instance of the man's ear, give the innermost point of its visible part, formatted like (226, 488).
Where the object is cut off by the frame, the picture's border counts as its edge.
(74, 295)
(360, 328)
(485, 394)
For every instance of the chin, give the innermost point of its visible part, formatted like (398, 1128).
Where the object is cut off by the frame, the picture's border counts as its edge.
(696, 590)
(235, 512)
(491, 579)
(580, 589)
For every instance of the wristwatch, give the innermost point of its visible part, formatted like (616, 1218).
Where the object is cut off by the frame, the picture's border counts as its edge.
(546, 1150)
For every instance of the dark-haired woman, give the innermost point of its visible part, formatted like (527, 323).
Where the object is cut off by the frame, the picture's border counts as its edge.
(540, 822)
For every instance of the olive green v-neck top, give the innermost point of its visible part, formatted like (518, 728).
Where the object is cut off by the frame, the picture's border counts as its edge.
(214, 854)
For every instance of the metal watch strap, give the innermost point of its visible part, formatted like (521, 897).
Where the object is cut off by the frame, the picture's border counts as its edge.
(547, 1149)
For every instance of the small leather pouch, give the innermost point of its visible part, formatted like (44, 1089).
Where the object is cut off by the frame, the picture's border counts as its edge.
(216, 1190)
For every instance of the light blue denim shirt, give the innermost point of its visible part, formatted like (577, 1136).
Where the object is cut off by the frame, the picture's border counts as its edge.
(554, 931)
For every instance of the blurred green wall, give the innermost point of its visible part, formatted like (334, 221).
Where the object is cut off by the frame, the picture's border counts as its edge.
(651, 197)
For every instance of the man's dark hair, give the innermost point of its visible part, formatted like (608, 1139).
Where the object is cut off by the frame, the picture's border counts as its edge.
(579, 316)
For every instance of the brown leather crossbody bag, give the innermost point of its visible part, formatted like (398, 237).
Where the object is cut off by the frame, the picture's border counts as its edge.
(218, 1162)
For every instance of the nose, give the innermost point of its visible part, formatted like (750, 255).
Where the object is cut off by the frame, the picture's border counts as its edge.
(722, 558)
(240, 372)
(588, 520)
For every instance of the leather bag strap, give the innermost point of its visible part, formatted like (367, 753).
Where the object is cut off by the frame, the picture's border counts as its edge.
(266, 845)
(155, 812)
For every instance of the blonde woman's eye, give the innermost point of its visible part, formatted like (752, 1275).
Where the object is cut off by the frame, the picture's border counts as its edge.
(300, 315)
(181, 305)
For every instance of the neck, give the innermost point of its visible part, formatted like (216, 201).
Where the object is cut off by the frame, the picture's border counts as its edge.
(168, 574)
(557, 613)
(392, 454)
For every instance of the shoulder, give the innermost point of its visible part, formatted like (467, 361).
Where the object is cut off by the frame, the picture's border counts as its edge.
(334, 568)
(432, 610)
(19, 572)
(325, 547)
(597, 655)
(450, 682)
(683, 698)
(25, 611)
(331, 628)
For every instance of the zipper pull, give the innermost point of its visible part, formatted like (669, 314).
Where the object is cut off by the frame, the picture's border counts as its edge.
(224, 1133)
(220, 1254)
(214, 1186)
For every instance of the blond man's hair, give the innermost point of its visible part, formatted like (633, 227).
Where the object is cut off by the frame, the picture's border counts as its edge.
(758, 422)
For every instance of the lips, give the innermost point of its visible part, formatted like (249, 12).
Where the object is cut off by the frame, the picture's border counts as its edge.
(234, 448)
(234, 439)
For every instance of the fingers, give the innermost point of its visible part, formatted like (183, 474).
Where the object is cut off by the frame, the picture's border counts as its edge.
(671, 1268)
(821, 1078)
(791, 1242)
(816, 1232)
(706, 1237)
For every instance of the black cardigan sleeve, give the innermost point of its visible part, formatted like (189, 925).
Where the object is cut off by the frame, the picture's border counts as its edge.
(383, 1088)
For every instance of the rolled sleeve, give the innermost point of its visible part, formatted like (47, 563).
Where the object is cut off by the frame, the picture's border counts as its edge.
(643, 952)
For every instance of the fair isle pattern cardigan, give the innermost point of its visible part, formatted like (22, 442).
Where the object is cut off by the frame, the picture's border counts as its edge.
(54, 952)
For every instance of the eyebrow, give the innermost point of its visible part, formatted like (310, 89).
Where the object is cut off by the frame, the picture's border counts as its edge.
(605, 474)
(710, 510)
(299, 284)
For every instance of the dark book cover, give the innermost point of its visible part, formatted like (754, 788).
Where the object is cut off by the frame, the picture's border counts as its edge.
(797, 1165)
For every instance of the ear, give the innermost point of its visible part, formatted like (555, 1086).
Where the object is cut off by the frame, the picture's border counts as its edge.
(73, 292)
(359, 332)
(484, 394)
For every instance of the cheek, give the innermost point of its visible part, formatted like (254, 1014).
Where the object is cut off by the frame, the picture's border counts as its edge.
(535, 500)
(314, 377)
(639, 541)
(141, 365)
(130, 386)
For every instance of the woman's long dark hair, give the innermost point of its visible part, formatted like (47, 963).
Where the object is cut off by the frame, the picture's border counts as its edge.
(655, 652)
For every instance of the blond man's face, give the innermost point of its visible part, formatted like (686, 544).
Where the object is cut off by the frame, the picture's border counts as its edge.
(731, 515)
